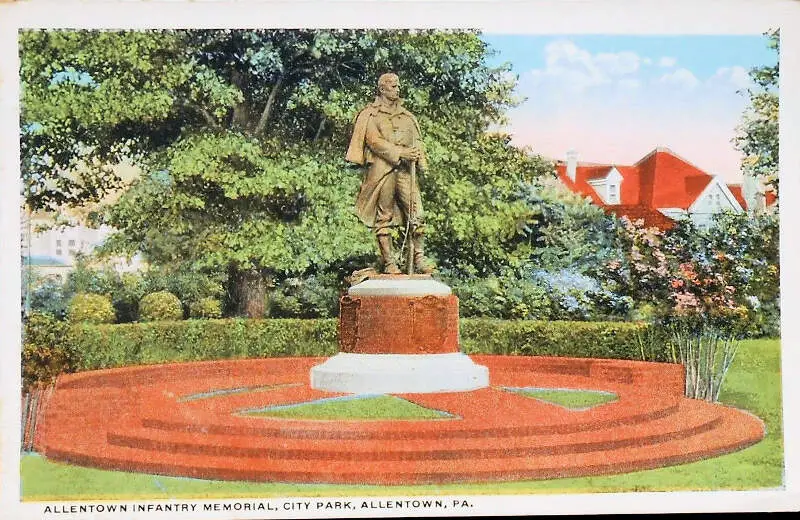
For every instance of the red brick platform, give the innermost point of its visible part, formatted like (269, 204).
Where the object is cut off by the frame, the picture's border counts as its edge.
(137, 419)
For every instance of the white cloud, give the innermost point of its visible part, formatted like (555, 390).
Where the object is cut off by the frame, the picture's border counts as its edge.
(625, 62)
(569, 66)
(736, 76)
(667, 61)
(681, 78)
(629, 83)
(647, 61)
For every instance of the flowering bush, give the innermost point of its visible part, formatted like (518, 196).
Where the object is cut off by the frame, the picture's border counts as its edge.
(46, 294)
(577, 296)
(536, 294)
(641, 269)
(728, 272)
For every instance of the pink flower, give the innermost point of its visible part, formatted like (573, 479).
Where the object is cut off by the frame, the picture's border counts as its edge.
(685, 302)
(687, 270)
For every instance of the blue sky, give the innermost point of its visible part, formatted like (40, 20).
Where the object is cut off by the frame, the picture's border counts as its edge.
(613, 98)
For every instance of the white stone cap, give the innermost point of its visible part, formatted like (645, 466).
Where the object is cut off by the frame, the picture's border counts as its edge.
(400, 287)
(399, 373)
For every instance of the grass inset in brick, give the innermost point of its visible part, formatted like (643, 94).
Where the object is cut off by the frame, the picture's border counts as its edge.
(574, 399)
(358, 408)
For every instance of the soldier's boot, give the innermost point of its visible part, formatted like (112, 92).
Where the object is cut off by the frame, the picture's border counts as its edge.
(385, 246)
(421, 265)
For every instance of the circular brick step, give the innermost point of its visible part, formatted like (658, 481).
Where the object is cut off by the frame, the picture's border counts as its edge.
(691, 419)
(181, 420)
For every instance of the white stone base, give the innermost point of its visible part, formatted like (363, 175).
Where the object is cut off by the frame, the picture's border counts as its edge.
(399, 374)
(400, 287)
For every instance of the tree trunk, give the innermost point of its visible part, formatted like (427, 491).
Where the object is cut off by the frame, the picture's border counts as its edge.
(241, 111)
(251, 293)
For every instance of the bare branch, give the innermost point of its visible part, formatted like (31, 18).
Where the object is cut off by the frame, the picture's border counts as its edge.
(262, 122)
(320, 128)
(209, 118)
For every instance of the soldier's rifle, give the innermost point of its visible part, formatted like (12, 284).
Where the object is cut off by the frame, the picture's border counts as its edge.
(411, 225)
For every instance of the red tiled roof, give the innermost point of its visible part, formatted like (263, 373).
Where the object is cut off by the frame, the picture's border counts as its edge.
(669, 181)
(770, 198)
(580, 185)
(736, 191)
(651, 217)
(661, 179)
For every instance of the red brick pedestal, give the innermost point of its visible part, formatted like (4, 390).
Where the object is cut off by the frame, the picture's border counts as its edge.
(398, 324)
(399, 334)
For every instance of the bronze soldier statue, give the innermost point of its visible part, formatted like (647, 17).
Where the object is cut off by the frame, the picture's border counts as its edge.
(386, 138)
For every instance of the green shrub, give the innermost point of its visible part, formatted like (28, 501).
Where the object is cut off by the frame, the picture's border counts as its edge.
(206, 308)
(45, 293)
(45, 353)
(160, 306)
(315, 296)
(91, 308)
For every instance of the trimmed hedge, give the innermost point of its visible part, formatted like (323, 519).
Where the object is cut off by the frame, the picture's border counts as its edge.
(103, 346)
(595, 339)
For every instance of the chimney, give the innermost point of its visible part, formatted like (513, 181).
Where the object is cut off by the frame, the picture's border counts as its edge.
(572, 164)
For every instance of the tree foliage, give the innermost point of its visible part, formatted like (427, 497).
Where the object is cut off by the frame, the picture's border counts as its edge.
(241, 135)
(757, 135)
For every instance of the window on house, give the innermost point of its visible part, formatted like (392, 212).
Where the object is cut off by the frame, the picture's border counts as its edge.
(59, 252)
(58, 243)
(613, 194)
(71, 243)
(73, 252)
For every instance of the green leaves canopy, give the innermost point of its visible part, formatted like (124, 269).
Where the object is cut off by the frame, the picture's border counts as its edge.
(241, 134)
(757, 135)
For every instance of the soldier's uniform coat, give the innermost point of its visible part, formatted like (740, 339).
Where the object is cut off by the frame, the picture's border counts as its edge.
(379, 133)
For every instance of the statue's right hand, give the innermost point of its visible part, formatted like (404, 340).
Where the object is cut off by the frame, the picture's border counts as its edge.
(412, 154)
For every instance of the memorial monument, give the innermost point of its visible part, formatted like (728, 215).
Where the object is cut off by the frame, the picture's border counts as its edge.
(398, 333)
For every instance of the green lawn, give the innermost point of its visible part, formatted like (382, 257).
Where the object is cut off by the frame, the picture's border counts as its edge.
(753, 384)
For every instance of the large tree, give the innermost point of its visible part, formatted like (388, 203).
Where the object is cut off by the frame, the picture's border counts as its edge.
(757, 135)
(240, 135)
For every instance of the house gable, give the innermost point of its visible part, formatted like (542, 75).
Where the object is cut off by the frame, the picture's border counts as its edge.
(715, 198)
